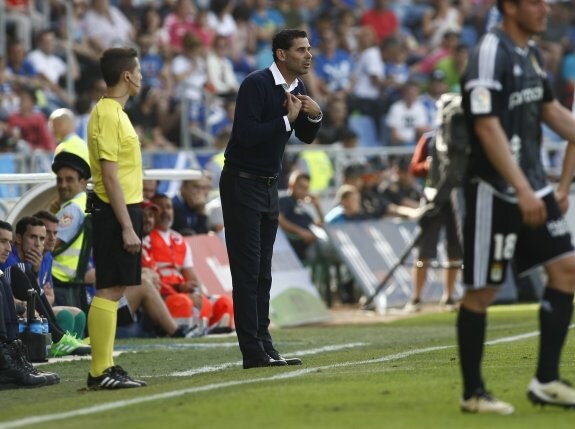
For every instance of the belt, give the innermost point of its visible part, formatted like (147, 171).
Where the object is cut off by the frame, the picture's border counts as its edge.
(266, 180)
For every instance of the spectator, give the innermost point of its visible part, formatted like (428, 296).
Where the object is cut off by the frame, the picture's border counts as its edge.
(202, 30)
(444, 17)
(453, 66)
(221, 20)
(179, 23)
(348, 206)
(407, 118)
(148, 114)
(296, 220)
(402, 189)
(15, 370)
(51, 69)
(189, 206)
(348, 31)
(190, 74)
(21, 70)
(106, 26)
(333, 66)
(367, 78)
(27, 19)
(150, 187)
(32, 124)
(381, 19)
(436, 86)
(220, 69)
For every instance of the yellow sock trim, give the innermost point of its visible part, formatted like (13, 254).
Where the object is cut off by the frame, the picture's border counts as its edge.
(102, 327)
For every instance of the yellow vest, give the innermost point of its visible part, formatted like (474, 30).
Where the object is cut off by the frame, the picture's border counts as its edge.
(65, 264)
(320, 168)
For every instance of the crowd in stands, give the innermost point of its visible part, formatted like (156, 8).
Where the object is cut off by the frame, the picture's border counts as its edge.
(378, 64)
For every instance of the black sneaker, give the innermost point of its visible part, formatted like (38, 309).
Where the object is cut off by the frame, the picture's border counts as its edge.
(113, 378)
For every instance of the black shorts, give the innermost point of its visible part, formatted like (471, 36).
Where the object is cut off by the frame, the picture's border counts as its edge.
(445, 218)
(114, 265)
(494, 234)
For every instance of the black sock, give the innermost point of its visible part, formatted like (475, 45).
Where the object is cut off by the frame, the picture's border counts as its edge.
(554, 319)
(470, 339)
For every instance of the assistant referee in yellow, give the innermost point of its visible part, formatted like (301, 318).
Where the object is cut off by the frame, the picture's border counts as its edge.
(116, 161)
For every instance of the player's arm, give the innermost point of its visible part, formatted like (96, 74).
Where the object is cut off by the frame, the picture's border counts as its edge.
(562, 192)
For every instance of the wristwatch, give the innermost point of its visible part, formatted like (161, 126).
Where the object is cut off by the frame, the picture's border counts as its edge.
(317, 118)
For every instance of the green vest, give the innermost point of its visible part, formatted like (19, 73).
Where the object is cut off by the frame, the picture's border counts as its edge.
(70, 260)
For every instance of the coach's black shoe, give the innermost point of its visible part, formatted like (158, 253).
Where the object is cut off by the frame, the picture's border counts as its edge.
(263, 362)
(274, 354)
(113, 378)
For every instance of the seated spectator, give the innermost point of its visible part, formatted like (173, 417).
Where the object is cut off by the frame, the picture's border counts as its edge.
(221, 20)
(28, 256)
(436, 86)
(296, 219)
(148, 115)
(15, 370)
(348, 206)
(220, 69)
(32, 123)
(189, 205)
(407, 118)
(402, 189)
(150, 187)
(332, 66)
(106, 26)
(445, 16)
(178, 23)
(453, 66)
(26, 18)
(51, 69)
(381, 19)
(173, 259)
(21, 70)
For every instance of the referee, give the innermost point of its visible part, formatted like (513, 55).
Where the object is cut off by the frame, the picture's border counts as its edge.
(116, 162)
(271, 104)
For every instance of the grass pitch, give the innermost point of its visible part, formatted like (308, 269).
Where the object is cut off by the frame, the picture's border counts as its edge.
(401, 374)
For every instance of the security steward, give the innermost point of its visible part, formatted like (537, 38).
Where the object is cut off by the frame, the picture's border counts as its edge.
(74, 241)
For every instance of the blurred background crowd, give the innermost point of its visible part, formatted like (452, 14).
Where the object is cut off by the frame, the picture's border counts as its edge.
(379, 66)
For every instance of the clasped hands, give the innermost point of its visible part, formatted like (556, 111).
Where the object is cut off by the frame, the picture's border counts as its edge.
(300, 103)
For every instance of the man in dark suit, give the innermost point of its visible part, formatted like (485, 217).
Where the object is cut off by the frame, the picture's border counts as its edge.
(271, 103)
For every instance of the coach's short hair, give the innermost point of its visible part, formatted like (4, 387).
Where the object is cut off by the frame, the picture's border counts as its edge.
(5, 226)
(500, 4)
(284, 40)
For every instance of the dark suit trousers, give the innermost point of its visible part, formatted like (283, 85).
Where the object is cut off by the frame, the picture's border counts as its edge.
(250, 210)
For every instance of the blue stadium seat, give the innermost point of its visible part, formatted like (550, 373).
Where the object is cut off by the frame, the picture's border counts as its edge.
(365, 129)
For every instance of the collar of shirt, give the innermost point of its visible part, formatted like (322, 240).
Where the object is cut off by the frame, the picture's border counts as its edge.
(280, 80)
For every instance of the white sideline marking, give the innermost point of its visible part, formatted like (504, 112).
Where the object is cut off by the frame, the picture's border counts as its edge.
(214, 368)
(292, 374)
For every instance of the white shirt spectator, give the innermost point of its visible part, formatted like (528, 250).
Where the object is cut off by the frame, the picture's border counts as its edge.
(49, 65)
(368, 64)
(221, 74)
(109, 33)
(192, 86)
(224, 27)
(406, 120)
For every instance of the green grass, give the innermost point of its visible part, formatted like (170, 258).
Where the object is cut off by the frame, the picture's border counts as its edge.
(387, 380)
